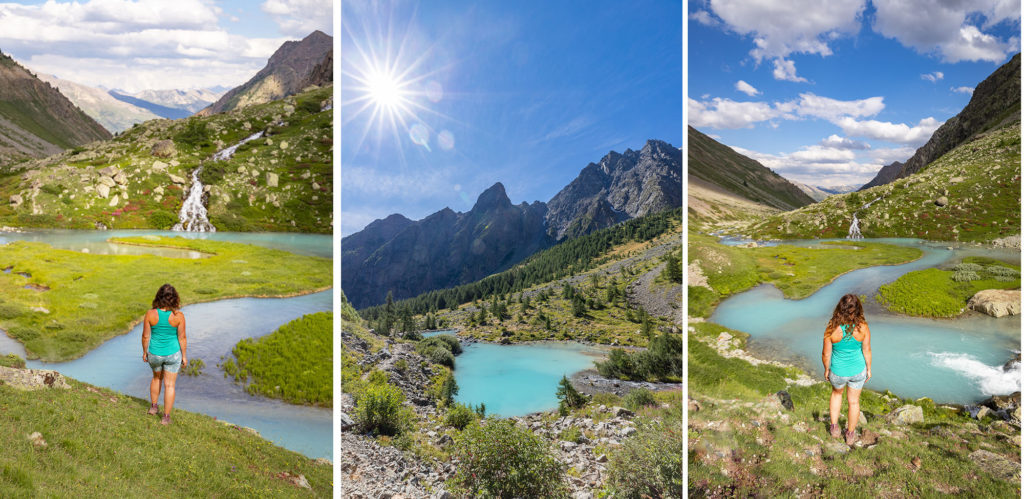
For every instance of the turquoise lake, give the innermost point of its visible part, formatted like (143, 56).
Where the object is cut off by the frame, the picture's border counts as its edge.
(947, 360)
(515, 380)
(213, 329)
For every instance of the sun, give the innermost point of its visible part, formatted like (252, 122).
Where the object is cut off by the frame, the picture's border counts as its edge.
(385, 90)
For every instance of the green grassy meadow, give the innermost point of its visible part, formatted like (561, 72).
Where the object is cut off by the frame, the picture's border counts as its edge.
(937, 293)
(72, 302)
(294, 363)
(100, 443)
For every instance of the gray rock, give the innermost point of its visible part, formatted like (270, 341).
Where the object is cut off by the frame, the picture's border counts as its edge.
(785, 399)
(272, 179)
(163, 149)
(622, 412)
(16, 200)
(32, 379)
(346, 422)
(110, 171)
(996, 302)
(982, 412)
(996, 464)
(906, 415)
(107, 181)
(159, 166)
(837, 448)
(176, 179)
(942, 201)
(121, 178)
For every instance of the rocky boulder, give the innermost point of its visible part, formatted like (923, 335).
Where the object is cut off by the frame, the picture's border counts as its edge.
(996, 302)
(996, 464)
(906, 415)
(176, 179)
(163, 149)
(32, 379)
(1003, 402)
(16, 200)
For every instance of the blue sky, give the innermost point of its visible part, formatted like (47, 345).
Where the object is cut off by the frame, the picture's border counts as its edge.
(525, 93)
(833, 90)
(155, 44)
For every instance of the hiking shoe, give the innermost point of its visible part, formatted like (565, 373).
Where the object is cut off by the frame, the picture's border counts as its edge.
(153, 409)
(834, 431)
(166, 420)
(851, 438)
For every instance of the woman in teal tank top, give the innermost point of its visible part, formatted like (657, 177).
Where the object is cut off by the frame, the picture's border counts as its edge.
(846, 354)
(163, 346)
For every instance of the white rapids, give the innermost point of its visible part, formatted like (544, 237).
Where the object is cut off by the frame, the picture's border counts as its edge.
(855, 225)
(192, 217)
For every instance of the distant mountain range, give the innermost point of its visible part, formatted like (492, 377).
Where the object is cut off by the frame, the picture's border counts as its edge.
(36, 119)
(293, 67)
(170, 104)
(994, 103)
(113, 114)
(819, 192)
(449, 248)
(722, 166)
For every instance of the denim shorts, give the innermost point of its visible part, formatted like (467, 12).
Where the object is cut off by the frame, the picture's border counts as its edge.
(168, 363)
(856, 381)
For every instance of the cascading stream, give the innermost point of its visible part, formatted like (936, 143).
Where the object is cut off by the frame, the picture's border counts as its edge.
(193, 215)
(855, 225)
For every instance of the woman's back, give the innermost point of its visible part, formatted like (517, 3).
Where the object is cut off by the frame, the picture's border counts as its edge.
(164, 340)
(847, 355)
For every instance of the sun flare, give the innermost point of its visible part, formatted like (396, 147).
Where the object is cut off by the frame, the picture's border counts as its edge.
(385, 90)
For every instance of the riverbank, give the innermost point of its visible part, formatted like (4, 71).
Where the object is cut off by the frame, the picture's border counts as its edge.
(61, 304)
(947, 293)
(85, 441)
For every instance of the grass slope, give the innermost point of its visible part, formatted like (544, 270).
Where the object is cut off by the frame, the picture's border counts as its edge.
(980, 180)
(102, 443)
(292, 364)
(91, 298)
(743, 443)
(64, 190)
(935, 293)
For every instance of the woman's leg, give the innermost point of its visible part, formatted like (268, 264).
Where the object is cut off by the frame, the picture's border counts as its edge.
(835, 404)
(154, 386)
(169, 381)
(853, 397)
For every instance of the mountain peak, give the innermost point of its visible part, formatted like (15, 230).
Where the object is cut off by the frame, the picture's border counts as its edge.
(492, 198)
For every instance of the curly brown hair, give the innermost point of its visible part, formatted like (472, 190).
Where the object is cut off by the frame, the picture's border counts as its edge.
(167, 297)
(848, 311)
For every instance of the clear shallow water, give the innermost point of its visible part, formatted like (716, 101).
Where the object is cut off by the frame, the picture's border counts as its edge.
(957, 361)
(435, 333)
(213, 329)
(515, 380)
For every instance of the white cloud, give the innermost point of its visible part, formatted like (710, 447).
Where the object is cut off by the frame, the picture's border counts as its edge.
(832, 109)
(887, 155)
(746, 88)
(793, 26)
(837, 142)
(727, 113)
(301, 17)
(948, 28)
(963, 90)
(704, 18)
(132, 45)
(817, 165)
(786, 70)
(932, 77)
(897, 133)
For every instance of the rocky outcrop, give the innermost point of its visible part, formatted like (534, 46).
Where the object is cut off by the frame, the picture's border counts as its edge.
(887, 174)
(287, 72)
(32, 379)
(619, 187)
(906, 415)
(996, 302)
(996, 464)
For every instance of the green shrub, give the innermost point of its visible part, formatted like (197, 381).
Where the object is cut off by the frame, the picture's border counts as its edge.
(568, 396)
(649, 463)
(12, 360)
(965, 276)
(311, 106)
(379, 410)
(967, 267)
(162, 219)
(195, 367)
(401, 365)
(443, 388)
(606, 399)
(498, 459)
(572, 434)
(195, 133)
(661, 361)
(442, 357)
(459, 416)
(639, 397)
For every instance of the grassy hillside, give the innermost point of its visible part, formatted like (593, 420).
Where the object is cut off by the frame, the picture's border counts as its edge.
(292, 364)
(280, 182)
(100, 443)
(63, 303)
(944, 293)
(971, 193)
(721, 166)
(743, 442)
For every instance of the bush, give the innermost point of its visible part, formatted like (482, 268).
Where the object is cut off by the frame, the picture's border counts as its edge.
(451, 342)
(311, 106)
(965, 276)
(443, 388)
(650, 463)
(498, 459)
(162, 219)
(380, 412)
(661, 361)
(459, 416)
(639, 397)
(194, 134)
(401, 365)
(442, 357)
(968, 267)
(572, 434)
(568, 396)
(12, 360)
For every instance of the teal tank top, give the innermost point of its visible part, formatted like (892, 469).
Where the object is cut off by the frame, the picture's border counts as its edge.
(847, 356)
(164, 337)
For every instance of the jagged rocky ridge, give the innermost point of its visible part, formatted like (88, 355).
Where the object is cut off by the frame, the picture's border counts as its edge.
(449, 248)
(292, 68)
(995, 103)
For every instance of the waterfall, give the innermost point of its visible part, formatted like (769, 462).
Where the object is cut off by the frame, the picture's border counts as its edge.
(192, 217)
(855, 225)
(226, 153)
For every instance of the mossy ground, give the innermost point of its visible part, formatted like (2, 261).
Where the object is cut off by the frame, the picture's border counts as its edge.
(934, 293)
(292, 364)
(100, 443)
(71, 302)
(61, 191)
(980, 180)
